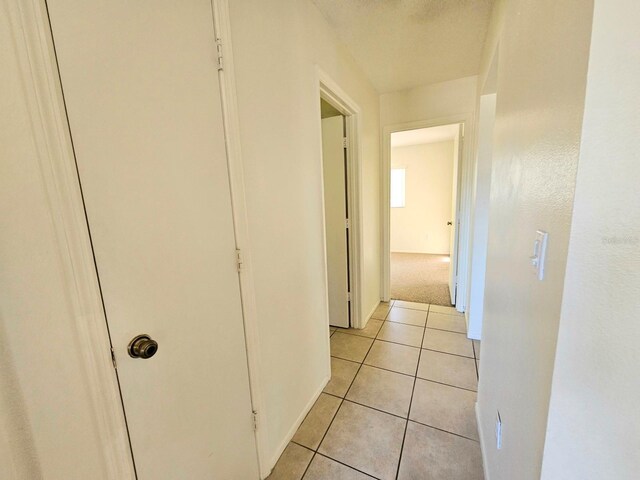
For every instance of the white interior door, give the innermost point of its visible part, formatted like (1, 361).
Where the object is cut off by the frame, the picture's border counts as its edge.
(335, 214)
(142, 93)
(455, 223)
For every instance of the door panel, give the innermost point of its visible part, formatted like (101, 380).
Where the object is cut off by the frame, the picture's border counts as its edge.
(142, 93)
(335, 213)
(455, 227)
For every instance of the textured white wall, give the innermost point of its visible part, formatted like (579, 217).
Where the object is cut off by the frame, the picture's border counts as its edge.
(594, 419)
(277, 46)
(428, 102)
(542, 68)
(421, 226)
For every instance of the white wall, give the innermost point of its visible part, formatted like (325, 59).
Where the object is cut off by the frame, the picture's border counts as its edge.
(428, 102)
(277, 46)
(541, 83)
(594, 419)
(480, 214)
(421, 225)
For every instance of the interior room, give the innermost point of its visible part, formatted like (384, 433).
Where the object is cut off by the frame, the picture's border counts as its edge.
(209, 207)
(423, 212)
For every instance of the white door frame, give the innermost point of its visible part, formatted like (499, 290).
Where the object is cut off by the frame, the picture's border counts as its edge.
(29, 23)
(464, 198)
(222, 27)
(331, 92)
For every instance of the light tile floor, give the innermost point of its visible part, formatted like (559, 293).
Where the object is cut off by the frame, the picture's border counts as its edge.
(399, 405)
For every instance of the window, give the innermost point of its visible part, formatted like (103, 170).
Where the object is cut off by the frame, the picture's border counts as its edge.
(397, 187)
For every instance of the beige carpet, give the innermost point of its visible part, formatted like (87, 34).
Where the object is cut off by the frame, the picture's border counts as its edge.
(420, 277)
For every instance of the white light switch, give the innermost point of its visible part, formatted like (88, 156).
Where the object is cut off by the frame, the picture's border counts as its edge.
(539, 253)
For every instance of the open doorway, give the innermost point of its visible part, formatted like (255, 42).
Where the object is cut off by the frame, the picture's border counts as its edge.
(424, 178)
(335, 179)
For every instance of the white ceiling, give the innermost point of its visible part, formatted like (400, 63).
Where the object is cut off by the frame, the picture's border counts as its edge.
(405, 43)
(424, 135)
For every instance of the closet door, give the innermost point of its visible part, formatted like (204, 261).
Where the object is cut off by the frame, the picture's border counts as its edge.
(141, 88)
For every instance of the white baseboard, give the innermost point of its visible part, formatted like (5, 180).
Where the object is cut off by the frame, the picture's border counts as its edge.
(422, 253)
(368, 317)
(292, 431)
(483, 450)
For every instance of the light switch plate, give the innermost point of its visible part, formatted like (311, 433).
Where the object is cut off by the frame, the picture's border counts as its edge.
(539, 253)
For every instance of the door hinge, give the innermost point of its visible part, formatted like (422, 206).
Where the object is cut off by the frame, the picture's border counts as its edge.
(239, 260)
(113, 359)
(345, 142)
(347, 223)
(255, 420)
(219, 53)
(348, 296)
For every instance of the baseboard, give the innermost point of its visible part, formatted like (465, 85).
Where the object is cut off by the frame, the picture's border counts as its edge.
(368, 317)
(421, 253)
(295, 426)
(482, 444)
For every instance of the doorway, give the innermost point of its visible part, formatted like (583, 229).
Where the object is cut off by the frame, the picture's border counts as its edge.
(149, 143)
(335, 177)
(339, 137)
(423, 205)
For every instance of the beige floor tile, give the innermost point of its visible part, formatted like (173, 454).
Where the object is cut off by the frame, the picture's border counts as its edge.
(350, 347)
(381, 311)
(342, 374)
(399, 358)
(381, 389)
(292, 463)
(323, 468)
(365, 439)
(371, 330)
(317, 421)
(449, 342)
(399, 333)
(443, 321)
(449, 369)
(445, 310)
(430, 454)
(444, 407)
(476, 348)
(408, 316)
(413, 305)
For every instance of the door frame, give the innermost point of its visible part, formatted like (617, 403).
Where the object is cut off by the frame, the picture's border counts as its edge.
(29, 22)
(463, 194)
(230, 113)
(330, 91)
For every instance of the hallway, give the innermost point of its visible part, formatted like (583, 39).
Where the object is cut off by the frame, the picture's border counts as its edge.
(399, 405)
(420, 277)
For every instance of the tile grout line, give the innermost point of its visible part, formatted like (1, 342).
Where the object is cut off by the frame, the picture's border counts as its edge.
(415, 379)
(315, 452)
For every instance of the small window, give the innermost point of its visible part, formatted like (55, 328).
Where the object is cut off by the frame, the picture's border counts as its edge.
(397, 187)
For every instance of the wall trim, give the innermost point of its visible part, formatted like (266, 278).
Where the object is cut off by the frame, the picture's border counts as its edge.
(29, 23)
(464, 200)
(330, 91)
(483, 448)
(294, 428)
(222, 28)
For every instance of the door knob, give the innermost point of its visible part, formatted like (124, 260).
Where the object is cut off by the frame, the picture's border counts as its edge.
(142, 346)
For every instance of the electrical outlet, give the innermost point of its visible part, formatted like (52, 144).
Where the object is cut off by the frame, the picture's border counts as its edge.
(498, 431)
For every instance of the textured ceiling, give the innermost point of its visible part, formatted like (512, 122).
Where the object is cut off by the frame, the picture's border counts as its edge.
(424, 135)
(405, 43)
